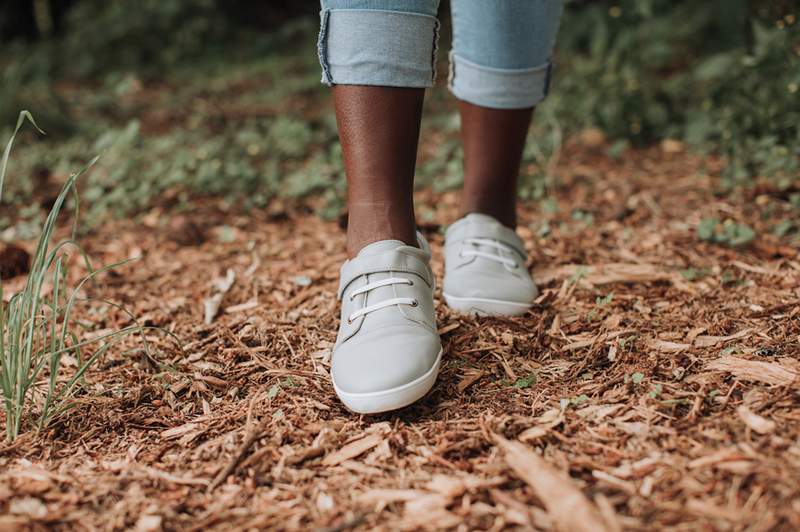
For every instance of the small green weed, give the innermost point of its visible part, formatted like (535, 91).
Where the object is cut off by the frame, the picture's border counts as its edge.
(693, 274)
(35, 325)
(525, 382)
(656, 391)
(573, 401)
(729, 233)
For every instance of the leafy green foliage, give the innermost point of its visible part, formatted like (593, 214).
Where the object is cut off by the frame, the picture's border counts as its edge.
(525, 382)
(166, 33)
(723, 75)
(693, 274)
(728, 233)
(573, 401)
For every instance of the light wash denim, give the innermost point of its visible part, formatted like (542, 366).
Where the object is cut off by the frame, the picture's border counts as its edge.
(501, 55)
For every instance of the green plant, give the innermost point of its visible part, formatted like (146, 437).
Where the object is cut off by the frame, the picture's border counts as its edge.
(573, 401)
(728, 233)
(525, 382)
(722, 75)
(35, 333)
(693, 274)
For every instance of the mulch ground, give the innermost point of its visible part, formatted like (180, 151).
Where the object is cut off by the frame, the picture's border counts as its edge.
(655, 385)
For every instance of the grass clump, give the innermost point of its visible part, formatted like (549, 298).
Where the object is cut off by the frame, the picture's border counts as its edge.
(37, 343)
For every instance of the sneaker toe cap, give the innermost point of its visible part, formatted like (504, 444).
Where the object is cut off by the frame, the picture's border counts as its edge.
(489, 285)
(384, 359)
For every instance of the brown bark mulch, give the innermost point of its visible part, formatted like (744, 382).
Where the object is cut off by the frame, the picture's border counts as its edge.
(655, 385)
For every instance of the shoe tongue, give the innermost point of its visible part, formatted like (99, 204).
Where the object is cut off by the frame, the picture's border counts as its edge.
(380, 247)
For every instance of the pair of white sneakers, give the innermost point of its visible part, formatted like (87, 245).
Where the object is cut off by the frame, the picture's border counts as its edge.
(388, 351)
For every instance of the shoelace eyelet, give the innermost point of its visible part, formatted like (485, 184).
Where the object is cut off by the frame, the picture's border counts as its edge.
(415, 303)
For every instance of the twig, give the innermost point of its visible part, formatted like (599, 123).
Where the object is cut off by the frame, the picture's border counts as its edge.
(253, 433)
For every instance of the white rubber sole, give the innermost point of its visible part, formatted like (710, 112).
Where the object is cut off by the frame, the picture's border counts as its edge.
(392, 399)
(486, 307)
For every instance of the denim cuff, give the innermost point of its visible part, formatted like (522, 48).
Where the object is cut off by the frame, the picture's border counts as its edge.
(377, 47)
(498, 88)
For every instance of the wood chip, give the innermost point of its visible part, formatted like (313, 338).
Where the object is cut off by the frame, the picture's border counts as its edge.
(181, 430)
(354, 448)
(546, 422)
(709, 341)
(470, 377)
(241, 307)
(754, 370)
(758, 423)
(565, 503)
(637, 469)
(622, 485)
(668, 347)
(448, 328)
(615, 272)
(220, 287)
(382, 497)
(709, 510)
(28, 506)
(728, 454)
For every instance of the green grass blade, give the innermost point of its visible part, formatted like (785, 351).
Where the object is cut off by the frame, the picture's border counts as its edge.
(23, 115)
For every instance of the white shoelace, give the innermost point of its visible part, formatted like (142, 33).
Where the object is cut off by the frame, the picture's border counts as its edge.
(499, 246)
(383, 304)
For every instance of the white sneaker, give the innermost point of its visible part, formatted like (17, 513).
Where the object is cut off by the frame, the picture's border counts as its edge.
(387, 353)
(485, 270)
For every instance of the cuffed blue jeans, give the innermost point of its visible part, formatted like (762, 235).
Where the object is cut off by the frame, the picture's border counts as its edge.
(501, 54)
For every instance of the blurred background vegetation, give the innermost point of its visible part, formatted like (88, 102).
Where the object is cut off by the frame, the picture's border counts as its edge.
(213, 97)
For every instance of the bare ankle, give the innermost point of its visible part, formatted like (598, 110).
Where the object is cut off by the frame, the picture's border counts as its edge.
(505, 215)
(364, 228)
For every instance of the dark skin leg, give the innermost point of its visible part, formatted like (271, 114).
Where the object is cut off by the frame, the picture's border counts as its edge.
(379, 131)
(493, 141)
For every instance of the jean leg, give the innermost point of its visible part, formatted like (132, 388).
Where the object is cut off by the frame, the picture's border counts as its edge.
(501, 56)
(378, 42)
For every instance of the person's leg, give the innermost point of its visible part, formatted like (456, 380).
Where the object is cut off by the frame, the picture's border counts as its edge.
(499, 70)
(378, 56)
(378, 129)
(493, 140)
(500, 66)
